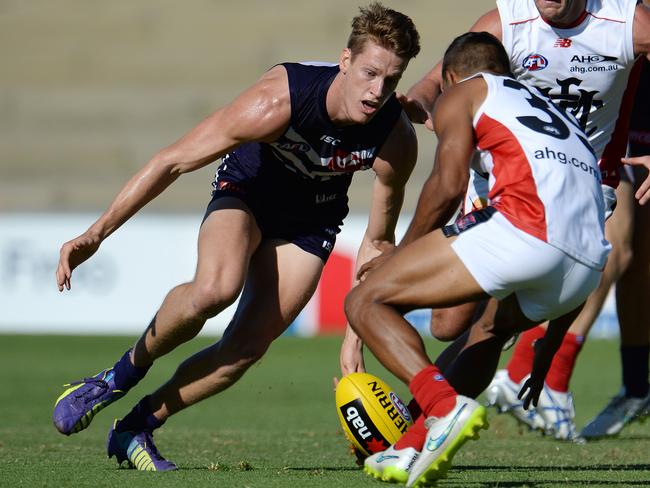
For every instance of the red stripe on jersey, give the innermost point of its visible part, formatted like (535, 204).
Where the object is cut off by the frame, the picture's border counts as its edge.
(606, 18)
(514, 192)
(524, 21)
(610, 161)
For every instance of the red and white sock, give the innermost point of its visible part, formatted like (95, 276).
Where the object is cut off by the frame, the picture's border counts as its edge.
(564, 361)
(521, 362)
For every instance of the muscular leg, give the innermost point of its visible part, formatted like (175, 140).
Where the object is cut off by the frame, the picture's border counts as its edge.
(483, 346)
(634, 284)
(449, 323)
(281, 280)
(430, 274)
(227, 239)
(483, 311)
(633, 314)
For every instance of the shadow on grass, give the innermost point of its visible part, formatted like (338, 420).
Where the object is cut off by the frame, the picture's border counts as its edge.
(322, 468)
(582, 467)
(539, 483)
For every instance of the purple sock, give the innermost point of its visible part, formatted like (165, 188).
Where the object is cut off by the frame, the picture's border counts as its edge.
(126, 374)
(634, 360)
(140, 419)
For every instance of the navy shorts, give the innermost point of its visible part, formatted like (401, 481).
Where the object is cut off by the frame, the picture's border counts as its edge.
(281, 212)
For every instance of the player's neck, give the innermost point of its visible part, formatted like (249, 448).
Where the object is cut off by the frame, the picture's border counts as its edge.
(334, 103)
(572, 18)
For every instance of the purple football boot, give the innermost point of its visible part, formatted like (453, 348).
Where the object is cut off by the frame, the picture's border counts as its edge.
(138, 449)
(78, 405)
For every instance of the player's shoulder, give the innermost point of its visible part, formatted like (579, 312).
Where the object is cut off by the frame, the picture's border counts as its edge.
(272, 88)
(514, 12)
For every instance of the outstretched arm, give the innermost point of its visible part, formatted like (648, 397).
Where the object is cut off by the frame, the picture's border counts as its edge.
(421, 97)
(392, 167)
(260, 113)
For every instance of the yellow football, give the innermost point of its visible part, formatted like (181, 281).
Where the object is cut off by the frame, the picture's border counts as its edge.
(372, 415)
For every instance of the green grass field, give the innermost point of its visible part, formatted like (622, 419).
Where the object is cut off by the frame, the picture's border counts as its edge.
(277, 427)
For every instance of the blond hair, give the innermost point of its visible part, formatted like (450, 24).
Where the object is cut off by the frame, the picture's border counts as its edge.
(385, 27)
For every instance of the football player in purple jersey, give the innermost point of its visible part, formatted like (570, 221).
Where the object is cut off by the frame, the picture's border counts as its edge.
(290, 144)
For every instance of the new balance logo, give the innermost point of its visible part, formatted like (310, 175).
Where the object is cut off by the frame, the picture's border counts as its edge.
(562, 42)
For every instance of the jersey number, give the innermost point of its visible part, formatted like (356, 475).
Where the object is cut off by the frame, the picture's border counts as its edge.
(556, 127)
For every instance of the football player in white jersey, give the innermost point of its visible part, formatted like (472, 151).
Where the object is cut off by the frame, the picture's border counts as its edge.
(632, 401)
(538, 248)
(580, 53)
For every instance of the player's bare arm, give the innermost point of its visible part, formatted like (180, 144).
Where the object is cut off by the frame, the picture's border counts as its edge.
(444, 189)
(421, 97)
(392, 167)
(261, 113)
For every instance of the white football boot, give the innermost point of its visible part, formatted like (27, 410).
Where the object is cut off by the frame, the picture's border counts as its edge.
(620, 411)
(558, 413)
(445, 436)
(391, 465)
(502, 394)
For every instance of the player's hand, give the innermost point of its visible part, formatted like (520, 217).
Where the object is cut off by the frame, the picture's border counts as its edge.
(530, 391)
(386, 248)
(415, 111)
(643, 192)
(351, 356)
(533, 386)
(72, 254)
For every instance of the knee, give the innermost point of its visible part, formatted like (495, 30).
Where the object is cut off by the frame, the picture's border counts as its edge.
(444, 326)
(619, 259)
(356, 303)
(447, 324)
(244, 351)
(210, 298)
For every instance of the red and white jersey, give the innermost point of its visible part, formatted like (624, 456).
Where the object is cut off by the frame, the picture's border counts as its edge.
(584, 68)
(543, 175)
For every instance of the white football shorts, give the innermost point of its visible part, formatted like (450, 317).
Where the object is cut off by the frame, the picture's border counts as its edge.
(503, 259)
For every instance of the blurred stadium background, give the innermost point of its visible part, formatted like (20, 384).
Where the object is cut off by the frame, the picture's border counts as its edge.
(90, 90)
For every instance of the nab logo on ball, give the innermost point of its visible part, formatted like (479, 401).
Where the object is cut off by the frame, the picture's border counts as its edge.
(371, 414)
(535, 62)
(364, 431)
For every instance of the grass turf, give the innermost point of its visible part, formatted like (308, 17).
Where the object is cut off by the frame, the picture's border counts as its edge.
(277, 427)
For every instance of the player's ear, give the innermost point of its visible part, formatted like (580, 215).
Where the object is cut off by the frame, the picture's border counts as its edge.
(448, 79)
(344, 61)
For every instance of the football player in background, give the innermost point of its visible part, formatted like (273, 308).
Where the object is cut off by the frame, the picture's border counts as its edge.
(290, 144)
(580, 53)
(538, 248)
(633, 400)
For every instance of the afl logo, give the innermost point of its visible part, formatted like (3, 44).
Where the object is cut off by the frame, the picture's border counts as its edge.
(535, 62)
(401, 408)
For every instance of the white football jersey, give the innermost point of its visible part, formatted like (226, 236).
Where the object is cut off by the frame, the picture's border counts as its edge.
(543, 175)
(584, 69)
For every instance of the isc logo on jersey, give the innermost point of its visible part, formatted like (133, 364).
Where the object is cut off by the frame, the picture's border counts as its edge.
(534, 62)
(372, 415)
